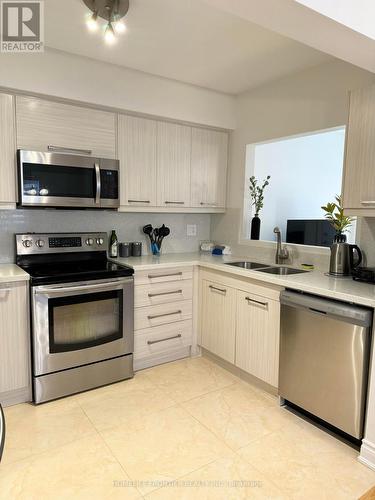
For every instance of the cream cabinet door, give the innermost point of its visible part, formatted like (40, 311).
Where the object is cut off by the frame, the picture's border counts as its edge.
(14, 337)
(359, 171)
(257, 338)
(218, 319)
(42, 124)
(137, 155)
(173, 165)
(209, 158)
(8, 150)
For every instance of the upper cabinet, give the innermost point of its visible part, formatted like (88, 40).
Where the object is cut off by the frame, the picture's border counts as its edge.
(173, 165)
(164, 166)
(169, 167)
(209, 158)
(137, 155)
(8, 151)
(44, 125)
(359, 178)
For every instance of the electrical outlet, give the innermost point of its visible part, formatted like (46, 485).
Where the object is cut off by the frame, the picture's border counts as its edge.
(191, 230)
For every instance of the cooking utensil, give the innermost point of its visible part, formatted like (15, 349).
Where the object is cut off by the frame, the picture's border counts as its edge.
(164, 231)
(147, 229)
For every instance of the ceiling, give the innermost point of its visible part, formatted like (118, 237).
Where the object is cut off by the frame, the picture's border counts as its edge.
(184, 40)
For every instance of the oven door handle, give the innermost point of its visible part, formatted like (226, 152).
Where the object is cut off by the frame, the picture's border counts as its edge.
(82, 288)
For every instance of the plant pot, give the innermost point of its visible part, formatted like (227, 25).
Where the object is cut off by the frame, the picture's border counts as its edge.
(339, 238)
(255, 227)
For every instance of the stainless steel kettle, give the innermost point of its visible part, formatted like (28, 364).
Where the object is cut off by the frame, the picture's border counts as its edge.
(344, 257)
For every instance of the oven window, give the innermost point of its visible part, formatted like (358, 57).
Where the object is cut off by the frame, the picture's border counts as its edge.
(56, 180)
(88, 320)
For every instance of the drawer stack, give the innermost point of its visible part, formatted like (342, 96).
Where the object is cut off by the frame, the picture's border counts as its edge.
(162, 316)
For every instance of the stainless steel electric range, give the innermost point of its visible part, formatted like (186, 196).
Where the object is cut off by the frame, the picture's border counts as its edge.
(82, 314)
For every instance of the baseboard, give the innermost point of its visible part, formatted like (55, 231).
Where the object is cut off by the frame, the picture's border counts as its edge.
(142, 363)
(247, 377)
(367, 454)
(11, 398)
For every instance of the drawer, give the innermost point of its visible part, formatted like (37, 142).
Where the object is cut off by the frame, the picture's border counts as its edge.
(161, 339)
(146, 317)
(162, 293)
(163, 275)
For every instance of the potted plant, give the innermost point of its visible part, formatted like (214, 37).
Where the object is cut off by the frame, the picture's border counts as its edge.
(339, 221)
(257, 201)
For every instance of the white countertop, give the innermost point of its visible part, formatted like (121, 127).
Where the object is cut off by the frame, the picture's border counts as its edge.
(11, 272)
(315, 282)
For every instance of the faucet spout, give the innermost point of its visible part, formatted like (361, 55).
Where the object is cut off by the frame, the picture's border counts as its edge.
(281, 253)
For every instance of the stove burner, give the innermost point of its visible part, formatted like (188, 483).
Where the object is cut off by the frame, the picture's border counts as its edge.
(62, 259)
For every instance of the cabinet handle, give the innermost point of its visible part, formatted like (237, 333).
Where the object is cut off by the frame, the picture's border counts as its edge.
(163, 293)
(4, 291)
(154, 276)
(174, 202)
(256, 301)
(368, 202)
(62, 149)
(139, 201)
(207, 203)
(222, 290)
(154, 316)
(150, 342)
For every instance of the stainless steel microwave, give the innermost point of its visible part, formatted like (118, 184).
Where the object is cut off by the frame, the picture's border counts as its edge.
(49, 179)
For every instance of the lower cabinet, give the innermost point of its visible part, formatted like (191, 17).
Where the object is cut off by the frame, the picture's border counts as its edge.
(240, 323)
(163, 324)
(14, 344)
(257, 336)
(218, 319)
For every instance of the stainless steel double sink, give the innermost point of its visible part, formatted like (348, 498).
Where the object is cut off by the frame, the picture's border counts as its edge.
(265, 268)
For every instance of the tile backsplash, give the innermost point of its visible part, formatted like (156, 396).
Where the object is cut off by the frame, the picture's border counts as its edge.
(127, 225)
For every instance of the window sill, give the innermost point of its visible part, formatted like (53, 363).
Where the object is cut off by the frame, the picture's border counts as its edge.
(308, 249)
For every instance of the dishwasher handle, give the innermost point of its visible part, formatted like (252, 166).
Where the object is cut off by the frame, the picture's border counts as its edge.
(342, 311)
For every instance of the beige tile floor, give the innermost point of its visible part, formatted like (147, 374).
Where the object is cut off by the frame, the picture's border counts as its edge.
(184, 430)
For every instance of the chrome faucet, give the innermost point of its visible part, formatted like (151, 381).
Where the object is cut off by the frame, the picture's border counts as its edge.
(281, 253)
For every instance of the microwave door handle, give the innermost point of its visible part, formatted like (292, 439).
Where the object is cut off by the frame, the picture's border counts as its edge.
(98, 184)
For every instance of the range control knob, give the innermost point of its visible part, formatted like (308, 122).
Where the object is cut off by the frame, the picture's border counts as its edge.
(39, 243)
(99, 241)
(27, 243)
(89, 242)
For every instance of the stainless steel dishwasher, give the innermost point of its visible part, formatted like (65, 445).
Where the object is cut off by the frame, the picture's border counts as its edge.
(324, 357)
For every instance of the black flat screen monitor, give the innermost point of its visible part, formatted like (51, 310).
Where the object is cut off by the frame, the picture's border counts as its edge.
(318, 232)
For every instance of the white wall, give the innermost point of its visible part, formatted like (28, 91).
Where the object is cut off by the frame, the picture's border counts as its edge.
(306, 173)
(314, 99)
(59, 74)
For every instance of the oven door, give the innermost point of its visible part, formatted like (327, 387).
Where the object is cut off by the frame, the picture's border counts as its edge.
(79, 323)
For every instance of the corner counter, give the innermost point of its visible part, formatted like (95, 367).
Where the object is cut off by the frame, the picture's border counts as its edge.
(315, 282)
(12, 273)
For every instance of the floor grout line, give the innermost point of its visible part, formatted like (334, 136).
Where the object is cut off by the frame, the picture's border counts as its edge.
(110, 450)
(52, 448)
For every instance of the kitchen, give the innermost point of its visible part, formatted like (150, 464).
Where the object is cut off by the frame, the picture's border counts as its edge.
(202, 384)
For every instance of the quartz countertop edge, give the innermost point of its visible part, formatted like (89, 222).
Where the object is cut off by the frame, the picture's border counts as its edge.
(10, 273)
(315, 282)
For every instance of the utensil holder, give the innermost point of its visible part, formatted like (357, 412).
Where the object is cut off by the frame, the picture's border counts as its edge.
(155, 249)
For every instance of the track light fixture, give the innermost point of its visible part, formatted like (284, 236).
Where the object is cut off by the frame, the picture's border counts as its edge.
(112, 11)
